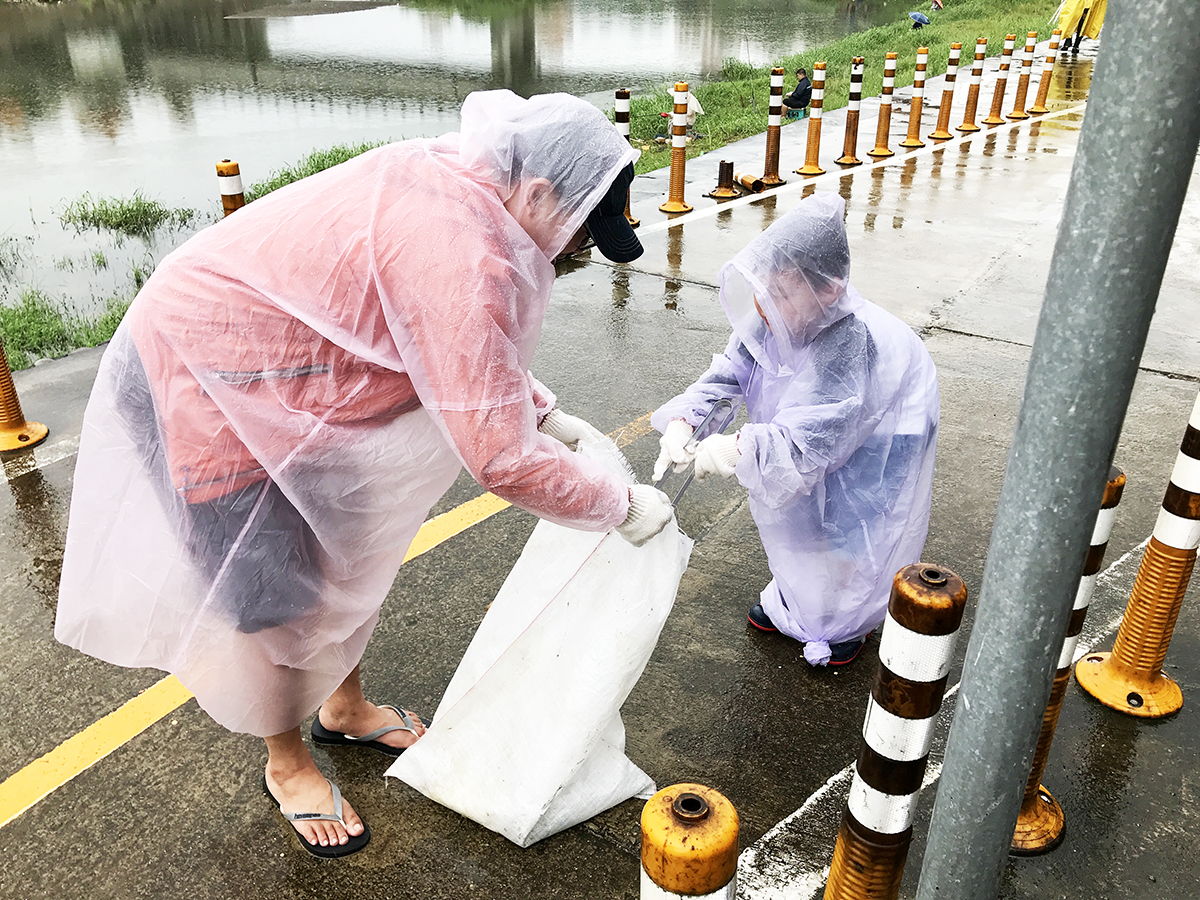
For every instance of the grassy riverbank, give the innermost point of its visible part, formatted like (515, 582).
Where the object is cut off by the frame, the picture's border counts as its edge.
(736, 106)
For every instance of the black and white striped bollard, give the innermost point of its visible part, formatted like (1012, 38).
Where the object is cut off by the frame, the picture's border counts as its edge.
(850, 147)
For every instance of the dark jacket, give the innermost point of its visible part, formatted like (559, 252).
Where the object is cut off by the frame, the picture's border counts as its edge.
(798, 99)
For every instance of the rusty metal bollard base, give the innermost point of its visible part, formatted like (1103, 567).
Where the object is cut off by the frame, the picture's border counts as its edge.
(1119, 687)
(28, 435)
(1040, 826)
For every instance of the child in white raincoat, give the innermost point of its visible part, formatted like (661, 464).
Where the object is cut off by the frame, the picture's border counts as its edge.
(838, 452)
(294, 388)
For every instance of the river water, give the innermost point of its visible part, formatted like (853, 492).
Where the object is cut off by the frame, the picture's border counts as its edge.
(116, 96)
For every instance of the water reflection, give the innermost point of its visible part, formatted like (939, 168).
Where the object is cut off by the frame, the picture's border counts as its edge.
(36, 502)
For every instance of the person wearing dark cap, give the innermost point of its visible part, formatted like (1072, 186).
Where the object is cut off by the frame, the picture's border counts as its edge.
(296, 386)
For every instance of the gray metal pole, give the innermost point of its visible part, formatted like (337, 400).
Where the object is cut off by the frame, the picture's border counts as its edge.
(1135, 157)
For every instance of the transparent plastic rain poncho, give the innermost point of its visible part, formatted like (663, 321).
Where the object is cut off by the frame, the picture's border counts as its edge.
(838, 451)
(295, 387)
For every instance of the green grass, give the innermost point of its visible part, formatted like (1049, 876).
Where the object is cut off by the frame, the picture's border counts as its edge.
(735, 107)
(316, 161)
(38, 326)
(135, 216)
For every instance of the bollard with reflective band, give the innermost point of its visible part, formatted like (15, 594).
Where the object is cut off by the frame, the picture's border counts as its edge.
(994, 117)
(918, 93)
(1041, 822)
(621, 120)
(675, 202)
(15, 431)
(1039, 105)
(942, 132)
(915, 651)
(689, 844)
(885, 109)
(1018, 110)
(812, 149)
(724, 189)
(774, 124)
(968, 122)
(851, 144)
(1130, 679)
(229, 177)
(752, 183)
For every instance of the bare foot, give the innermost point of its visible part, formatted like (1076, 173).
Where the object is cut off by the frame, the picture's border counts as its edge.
(305, 790)
(357, 719)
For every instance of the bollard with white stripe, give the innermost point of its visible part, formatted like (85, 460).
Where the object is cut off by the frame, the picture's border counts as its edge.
(968, 122)
(915, 651)
(918, 93)
(812, 149)
(1130, 679)
(689, 845)
(851, 144)
(675, 202)
(621, 119)
(942, 132)
(884, 125)
(994, 117)
(1018, 110)
(752, 183)
(1041, 821)
(774, 123)
(724, 189)
(229, 178)
(1039, 105)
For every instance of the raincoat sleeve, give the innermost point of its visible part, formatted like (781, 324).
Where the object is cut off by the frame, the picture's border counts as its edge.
(725, 379)
(543, 398)
(831, 408)
(459, 311)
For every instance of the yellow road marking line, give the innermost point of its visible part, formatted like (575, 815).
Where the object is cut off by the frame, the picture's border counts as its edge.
(43, 776)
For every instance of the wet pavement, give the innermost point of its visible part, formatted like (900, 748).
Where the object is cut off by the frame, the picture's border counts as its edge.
(957, 241)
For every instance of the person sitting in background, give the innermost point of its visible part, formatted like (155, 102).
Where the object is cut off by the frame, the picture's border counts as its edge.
(797, 101)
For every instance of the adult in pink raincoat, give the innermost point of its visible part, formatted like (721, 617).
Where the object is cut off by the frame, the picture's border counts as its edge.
(295, 387)
(838, 453)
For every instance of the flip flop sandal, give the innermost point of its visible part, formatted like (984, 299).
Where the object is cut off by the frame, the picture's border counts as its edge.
(322, 735)
(333, 851)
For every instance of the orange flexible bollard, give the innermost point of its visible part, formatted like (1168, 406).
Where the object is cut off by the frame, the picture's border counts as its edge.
(994, 118)
(1039, 105)
(881, 148)
(968, 122)
(813, 148)
(1041, 821)
(724, 189)
(774, 124)
(1018, 110)
(689, 844)
(851, 144)
(942, 132)
(752, 183)
(675, 202)
(915, 650)
(15, 431)
(914, 109)
(621, 120)
(229, 177)
(1130, 679)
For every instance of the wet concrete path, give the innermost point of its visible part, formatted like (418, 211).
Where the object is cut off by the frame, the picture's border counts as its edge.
(957, 241)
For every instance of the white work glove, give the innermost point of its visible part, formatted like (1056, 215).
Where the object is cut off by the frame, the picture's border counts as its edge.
(649, 512)
(568, 429)
(717, 455)
(678, 448)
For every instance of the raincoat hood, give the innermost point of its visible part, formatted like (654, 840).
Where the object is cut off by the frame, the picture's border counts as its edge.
(512, 141)
(798, 274)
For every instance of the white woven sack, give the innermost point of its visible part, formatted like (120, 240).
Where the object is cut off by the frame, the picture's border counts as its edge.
(528, 738)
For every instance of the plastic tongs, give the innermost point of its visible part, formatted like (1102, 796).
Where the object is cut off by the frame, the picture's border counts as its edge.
(718, 419)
